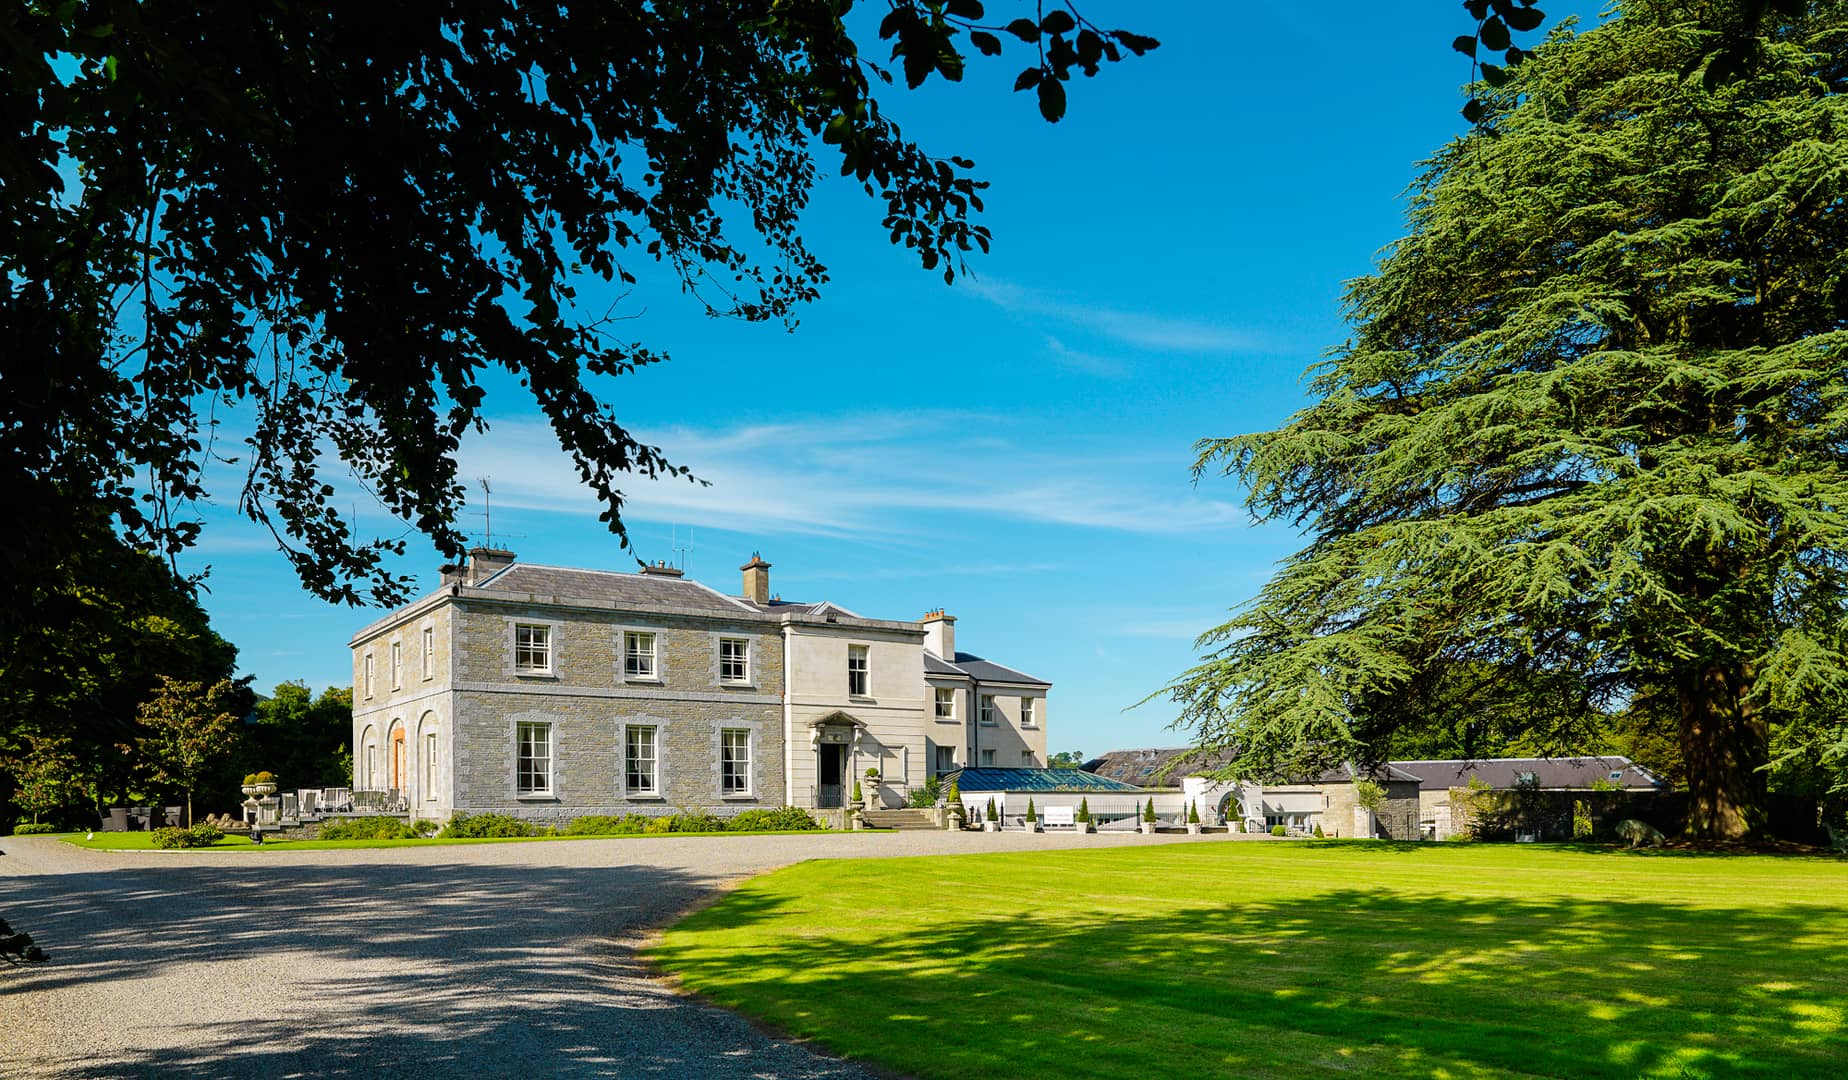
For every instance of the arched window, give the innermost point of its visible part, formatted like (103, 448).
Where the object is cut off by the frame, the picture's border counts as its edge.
(368, 779)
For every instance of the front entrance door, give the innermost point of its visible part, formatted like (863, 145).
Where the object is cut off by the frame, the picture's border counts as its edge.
(831, 765)
(397, 759)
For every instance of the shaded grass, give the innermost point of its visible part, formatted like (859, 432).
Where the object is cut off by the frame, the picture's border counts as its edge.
(142, 841)
(1286, 960)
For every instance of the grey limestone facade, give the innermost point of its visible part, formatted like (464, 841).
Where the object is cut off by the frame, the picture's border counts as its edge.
(551, 693)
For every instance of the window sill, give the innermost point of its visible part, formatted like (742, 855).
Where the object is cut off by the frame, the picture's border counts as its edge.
(863, 699)
(945, 719)
(537, 796)
(539, 675)
(738, 798)
(737, 685)
(645, 680)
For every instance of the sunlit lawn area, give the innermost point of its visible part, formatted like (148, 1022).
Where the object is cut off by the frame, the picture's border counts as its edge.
(1287, 960)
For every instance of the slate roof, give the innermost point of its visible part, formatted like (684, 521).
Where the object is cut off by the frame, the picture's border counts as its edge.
(1567, 774)
(633, 592)
(985, 779)
(1156, 766)
(1165, 766)
(976, 668)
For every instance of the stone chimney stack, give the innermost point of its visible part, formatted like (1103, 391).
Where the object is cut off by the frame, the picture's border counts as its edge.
(756, 579)
(940, 634)
(484, 563)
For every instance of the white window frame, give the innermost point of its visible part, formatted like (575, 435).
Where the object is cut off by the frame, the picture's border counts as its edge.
(864, 655)
(742, 660)
(988, 759)
(735, 754)
(1026, 759)
(526, 780)
(397, 665)
(632, 653)
(1026, 712)
(429, 747)
(945, 702)
(946, 760)
(988, 708)
(366, 673)
(538, 645)
(629, 758)
(429, 652)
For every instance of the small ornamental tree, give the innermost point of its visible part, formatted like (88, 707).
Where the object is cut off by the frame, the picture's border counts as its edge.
(1084, 811)
(1148, 812)
(1193, 813)
(1032, 814)
(47, 777)
(1370, 795)
(992, 816)
(188, 729)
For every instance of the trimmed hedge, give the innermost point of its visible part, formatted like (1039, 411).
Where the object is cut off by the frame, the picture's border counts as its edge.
(34, 828)
(198, 836)
(475, 826)
(368, 828)
(607, 825)
(783, 818)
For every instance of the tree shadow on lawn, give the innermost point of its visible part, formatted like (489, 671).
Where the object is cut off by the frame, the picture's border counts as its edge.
(1351, 981)
(373, 969)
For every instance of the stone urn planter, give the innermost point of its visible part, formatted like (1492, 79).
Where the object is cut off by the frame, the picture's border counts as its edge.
(1033, 826)
(953, 821)
(264, 790)
(1148, 828)
(1082, 827)
(990, 825)
(1193, 828)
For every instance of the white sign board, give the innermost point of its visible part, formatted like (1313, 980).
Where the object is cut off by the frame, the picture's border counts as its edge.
(1059, 815)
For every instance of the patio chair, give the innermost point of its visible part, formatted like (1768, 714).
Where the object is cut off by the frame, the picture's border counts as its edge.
(175, 816)
(336, 800)
(308, 802)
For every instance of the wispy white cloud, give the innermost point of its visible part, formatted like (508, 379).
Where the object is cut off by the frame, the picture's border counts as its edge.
(871, 476)
(1084, 361)
(1153, 331)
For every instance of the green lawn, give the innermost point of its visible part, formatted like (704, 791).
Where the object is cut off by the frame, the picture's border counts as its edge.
(141, 841)
(1288, 960)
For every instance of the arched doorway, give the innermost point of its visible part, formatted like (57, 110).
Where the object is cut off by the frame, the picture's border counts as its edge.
(397, 758)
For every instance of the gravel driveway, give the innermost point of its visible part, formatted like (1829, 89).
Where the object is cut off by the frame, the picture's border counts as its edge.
(492, 960)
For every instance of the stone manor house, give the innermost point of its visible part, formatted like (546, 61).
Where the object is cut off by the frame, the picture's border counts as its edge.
(551, 693)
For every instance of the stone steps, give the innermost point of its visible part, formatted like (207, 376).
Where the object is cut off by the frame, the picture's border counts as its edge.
(901, 819)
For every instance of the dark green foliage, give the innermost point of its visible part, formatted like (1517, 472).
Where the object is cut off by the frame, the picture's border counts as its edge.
(34, 828)
(1066, 759)
(925, 795)
(1083, 816)
(992, 815)
(1318, 831)
(696, 822)
(83, 640)
(475, 826)
(1588, 426)
(371, 828)
(1279, 830)
(1148, 812)
(197, 836)
(1032, 814)
(338, 226)
(1193, 813)
(302, 736)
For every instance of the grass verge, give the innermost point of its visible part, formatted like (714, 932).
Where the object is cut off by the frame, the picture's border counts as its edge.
(1291, 960)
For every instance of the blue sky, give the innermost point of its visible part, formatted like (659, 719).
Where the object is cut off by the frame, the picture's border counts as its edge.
(1014, 448)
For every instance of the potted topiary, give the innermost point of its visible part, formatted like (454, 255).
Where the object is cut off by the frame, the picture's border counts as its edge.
(1032, 816)
(265, 783)
(872, 790)
(1193, 819)
(250, 784)
(1148, 819)
(1082, 820)
(991, 823)
(952, 800)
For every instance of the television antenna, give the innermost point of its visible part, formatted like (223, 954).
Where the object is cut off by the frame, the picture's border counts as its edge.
(487, 508)
(681, 551)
